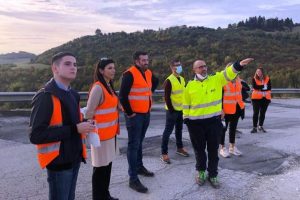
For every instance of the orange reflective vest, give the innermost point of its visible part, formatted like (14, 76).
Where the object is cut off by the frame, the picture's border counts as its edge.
(106, 115)
(232, 96)
(258, 94)
(140, 93)
(49, 151)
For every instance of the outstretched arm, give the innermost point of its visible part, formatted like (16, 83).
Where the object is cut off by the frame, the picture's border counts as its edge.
(246, 61)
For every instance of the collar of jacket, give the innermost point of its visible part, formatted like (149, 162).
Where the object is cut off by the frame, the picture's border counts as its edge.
(52, 87)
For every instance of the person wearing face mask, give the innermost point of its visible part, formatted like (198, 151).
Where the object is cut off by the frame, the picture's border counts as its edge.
(173, 86)
(261, 97)
(202, 107)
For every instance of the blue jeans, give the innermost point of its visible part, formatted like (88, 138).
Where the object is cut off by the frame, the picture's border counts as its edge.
(136, 128)
(172, 119)
(62, 184)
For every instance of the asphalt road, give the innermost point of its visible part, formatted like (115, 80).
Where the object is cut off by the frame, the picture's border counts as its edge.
(268, 169)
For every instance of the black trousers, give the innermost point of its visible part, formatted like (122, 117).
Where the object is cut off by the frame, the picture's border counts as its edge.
(231, 120)
(260, 107)
(205, 133)
(100, 182)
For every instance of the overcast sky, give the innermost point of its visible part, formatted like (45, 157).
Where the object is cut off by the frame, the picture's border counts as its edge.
(37, 25)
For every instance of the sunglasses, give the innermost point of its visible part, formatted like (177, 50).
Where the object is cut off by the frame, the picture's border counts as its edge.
(103, 58)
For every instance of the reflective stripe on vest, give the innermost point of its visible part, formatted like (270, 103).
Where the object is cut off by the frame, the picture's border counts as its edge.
(232, 96)
(106, 111)
(205, 105)
(203, 99)
(130, 97)
(106, 115)
(47, 149)
(204, 116)
(48, 152)
(140, 90)
(140, 93)
(258, 94)
(177, 92)
(107, 124)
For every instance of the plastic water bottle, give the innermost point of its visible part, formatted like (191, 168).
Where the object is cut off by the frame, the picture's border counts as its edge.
(93, 137)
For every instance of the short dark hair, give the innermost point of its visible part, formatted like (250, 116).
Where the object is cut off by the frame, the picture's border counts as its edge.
(56, 58)
(174, 60)
(137, 54)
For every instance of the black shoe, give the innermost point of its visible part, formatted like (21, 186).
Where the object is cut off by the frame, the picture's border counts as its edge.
(144, 172)
(254, 130)
(138, 186)
(111, 198)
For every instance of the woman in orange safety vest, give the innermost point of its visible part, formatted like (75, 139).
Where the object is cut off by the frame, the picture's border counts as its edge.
(233, 109)
(261, 97)
(102, 107)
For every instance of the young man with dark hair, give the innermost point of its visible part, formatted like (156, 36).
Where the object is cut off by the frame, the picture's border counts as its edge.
(137, 86)
(57, 130)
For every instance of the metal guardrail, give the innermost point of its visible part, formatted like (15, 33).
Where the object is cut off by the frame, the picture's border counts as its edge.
(27, 96)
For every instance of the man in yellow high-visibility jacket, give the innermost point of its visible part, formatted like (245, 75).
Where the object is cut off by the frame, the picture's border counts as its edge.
(174, 86)
(202, 106)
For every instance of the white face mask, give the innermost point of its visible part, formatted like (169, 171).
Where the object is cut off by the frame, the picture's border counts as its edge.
(199, 76)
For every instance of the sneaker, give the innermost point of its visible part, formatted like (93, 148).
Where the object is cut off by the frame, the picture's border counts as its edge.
(145, 172)
(182, 152)
(214, 182)
(235, 151)
(261, 129)
(138, 186)
(165, 158)
(254, 130)
(201, 178)
(224, 153)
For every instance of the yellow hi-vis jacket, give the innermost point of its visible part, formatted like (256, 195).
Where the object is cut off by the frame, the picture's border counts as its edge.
(177, 92)
(203, 99)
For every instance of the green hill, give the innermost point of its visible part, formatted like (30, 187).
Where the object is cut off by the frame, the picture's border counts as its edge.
(277, 51)
(15, 58)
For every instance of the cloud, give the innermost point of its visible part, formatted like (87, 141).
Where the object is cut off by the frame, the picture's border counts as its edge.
(53, 22)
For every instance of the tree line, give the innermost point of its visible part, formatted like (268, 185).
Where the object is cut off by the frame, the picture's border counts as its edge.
(278, 52)
(271, 24)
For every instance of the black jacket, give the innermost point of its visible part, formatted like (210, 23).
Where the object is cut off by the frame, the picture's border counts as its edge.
(127, 82)
(245, 90)
(40, 132)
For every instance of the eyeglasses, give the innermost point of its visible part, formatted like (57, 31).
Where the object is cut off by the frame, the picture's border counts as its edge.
(202, 66)
(177, 65)
(103, 58)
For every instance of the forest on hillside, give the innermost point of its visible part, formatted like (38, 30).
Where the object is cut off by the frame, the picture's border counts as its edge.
(272, 24)
(278, 51)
